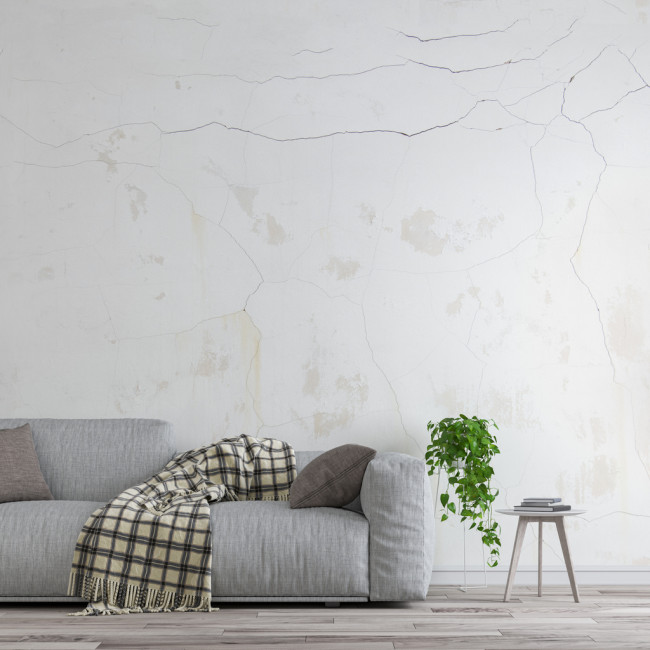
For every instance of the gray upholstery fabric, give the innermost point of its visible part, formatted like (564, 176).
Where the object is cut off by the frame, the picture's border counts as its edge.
(37, 540)
(303, 458)
(396, 499)
(264, 548)
(95, 460)
(21, 478)
(261, 551)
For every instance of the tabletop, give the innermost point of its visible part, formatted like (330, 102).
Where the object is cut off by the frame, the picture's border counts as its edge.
(537, 513)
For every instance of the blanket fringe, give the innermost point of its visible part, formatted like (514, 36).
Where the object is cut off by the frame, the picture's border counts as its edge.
(109, 597)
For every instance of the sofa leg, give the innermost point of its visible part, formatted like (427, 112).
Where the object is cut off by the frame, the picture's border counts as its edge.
(332, 603)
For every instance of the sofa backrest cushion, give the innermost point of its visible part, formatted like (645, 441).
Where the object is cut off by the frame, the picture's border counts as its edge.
(95, 460)
(303, 458)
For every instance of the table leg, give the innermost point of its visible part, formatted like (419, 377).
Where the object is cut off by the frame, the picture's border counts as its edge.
(516, 552)
(539, 560)
(559, 522)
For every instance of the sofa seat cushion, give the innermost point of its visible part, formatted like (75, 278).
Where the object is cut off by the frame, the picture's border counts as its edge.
(37, 540)
(261, 548)
(264, 548)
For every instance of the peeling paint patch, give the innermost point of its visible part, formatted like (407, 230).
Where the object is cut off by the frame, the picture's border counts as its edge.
(344, 269)
(420, 232)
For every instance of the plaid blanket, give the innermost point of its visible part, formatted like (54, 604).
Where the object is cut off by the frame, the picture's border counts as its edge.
(150, 548)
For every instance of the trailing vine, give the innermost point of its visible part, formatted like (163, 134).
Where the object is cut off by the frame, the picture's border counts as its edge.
(464, 447)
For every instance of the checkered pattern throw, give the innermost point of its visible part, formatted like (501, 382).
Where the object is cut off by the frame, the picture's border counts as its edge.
(150, 548)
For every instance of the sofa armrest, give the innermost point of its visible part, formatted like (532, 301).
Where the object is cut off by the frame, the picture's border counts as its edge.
(396, 500)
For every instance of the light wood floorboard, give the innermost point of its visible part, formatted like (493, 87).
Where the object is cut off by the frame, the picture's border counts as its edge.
(607, 618)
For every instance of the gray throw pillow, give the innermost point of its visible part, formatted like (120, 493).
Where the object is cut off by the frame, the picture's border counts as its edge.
(21, 478)
(332, 479)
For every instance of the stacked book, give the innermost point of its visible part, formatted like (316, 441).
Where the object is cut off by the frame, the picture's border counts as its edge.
(542, 504)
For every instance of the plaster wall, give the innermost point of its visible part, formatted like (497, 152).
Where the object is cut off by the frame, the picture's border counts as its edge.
(331, 222)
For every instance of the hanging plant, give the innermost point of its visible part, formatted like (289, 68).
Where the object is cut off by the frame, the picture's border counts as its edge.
(463, 447)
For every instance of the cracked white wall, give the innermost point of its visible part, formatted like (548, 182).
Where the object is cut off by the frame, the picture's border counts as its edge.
(332, 222)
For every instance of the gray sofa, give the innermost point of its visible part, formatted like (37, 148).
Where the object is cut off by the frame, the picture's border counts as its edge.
(262, 551)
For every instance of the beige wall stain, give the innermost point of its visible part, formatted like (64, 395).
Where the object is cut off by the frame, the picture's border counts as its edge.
(271, 230)
(487, 225)
(599, 477)
(152, 259)
(455, 307)
(207, 365)
(325, 423)
(116, 136)
(625, 330)
(597, 432)
(420, 232)
(111, 165)
(46, 273)
(312, 379)
(367, 213)
(138, 203)
(355, 387)
(250, 344)
(245, 197)
(344, 269)
(198, 228)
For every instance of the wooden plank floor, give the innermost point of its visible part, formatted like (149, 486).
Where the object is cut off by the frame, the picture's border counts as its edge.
(607, 617)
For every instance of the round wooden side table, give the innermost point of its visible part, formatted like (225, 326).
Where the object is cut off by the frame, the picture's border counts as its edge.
(530, 517)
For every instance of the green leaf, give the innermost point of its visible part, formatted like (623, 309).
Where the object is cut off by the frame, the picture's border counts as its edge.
(444, 517)
(464, 446)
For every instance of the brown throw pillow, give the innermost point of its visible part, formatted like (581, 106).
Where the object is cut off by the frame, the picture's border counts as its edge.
(333, 479)
(21, 478)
